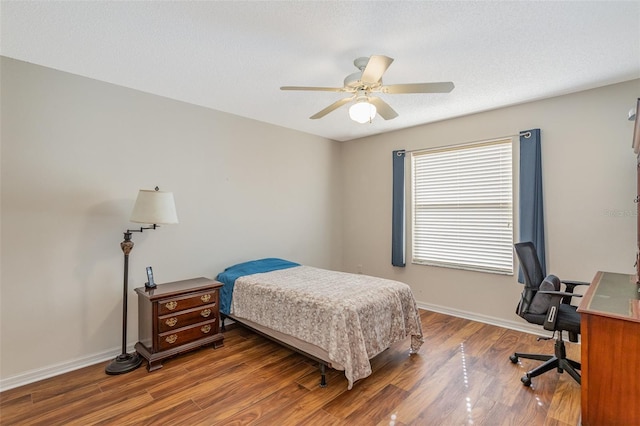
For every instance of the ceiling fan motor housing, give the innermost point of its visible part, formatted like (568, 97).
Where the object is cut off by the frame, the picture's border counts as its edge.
(353, 81)
(361, 63)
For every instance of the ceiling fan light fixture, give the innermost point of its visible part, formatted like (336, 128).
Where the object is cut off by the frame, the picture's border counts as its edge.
(362, 111)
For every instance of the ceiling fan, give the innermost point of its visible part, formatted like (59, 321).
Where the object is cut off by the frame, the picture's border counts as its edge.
(367, 81)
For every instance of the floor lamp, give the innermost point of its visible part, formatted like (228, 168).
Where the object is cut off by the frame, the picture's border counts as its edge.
(152, 207)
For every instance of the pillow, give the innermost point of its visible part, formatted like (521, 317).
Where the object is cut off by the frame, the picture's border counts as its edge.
(540, 303)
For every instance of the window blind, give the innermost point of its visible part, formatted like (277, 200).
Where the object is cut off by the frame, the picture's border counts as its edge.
(462, 207)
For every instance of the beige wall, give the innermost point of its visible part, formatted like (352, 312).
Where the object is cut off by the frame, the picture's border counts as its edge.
(589, 179)
(75, 151)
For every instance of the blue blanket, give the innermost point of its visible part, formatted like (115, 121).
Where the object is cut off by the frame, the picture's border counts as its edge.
(229, 276)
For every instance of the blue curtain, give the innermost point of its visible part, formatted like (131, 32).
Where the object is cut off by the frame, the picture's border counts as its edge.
(531, 209)
(397, 218)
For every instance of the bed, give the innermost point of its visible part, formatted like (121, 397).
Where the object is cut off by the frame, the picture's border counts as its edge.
(340, 319)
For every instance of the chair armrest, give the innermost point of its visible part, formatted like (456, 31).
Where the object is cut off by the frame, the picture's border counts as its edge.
(573, 284)
(570, 285)
(554, 307)
(560, 293)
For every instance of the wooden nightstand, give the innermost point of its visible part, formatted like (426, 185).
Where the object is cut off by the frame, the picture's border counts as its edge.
(177, 317)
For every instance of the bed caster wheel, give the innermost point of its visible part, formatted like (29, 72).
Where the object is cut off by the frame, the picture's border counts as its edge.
(525, 380)
(514, 358)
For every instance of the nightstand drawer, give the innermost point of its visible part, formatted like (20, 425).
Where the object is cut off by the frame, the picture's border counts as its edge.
(188, 317)
(176, 304)
(182, 336)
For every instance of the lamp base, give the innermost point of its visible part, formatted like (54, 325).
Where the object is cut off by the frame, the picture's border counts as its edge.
(124, 363)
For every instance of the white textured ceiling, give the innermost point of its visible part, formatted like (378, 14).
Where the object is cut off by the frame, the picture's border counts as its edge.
(233, 56)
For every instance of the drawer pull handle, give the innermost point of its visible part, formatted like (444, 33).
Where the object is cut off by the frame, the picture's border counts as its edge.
(171, 321)
(205, 313)
(205, 298)
(172, 338)
(171, 305)
(205, 328)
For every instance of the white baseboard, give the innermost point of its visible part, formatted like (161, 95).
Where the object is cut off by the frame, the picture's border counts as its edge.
(65, 367)
(57, 369)
(522, 326)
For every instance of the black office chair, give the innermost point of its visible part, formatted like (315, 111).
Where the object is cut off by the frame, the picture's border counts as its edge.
(544, 304)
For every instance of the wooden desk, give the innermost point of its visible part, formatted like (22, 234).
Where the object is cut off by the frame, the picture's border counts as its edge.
(610, 330)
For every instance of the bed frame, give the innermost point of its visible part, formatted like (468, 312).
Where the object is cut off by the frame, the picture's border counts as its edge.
(309, 350)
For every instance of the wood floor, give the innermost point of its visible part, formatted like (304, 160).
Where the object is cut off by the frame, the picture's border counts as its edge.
(461, 376)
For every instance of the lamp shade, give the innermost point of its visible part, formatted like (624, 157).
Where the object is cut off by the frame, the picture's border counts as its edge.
(362, 112)
(154, 207)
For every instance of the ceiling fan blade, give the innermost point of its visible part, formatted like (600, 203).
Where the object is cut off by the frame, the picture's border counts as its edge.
(383, 108)
(332, 107)
(320, 89)
(442, 87)
(376, 66)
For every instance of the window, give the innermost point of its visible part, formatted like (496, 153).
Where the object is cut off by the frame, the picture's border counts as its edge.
(462, 207)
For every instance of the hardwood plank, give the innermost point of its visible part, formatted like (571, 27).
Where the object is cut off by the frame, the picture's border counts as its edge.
(271, 404)
(302, 410)
(455, 403)
(245, 393)
(146, 381)
(155, 412)
(189, 386)
(413, 369)
(392, 362)
(423, 394)
(16, 407)
(311, 381)
(23, 412)
(461, 374)
(379, 407)
(99, 412)
(486, 410)
(318, 418)
(566, 395)
(255, 386)
(53, 386)
(97, 407)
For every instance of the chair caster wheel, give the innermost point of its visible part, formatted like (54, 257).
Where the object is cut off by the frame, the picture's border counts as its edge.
(525, 380)
(514, 358)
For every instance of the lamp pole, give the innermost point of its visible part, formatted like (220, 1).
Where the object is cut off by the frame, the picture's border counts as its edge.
(125, 362)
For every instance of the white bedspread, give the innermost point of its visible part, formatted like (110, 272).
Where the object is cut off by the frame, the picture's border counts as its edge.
(352, 317)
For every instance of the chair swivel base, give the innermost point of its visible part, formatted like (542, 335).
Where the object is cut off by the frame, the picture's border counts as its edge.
(558, 361)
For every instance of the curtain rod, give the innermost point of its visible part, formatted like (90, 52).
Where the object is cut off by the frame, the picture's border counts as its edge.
(527, 135)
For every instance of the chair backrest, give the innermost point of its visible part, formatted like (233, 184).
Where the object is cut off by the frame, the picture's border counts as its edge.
(532, 271)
